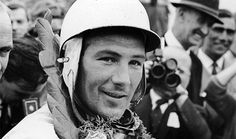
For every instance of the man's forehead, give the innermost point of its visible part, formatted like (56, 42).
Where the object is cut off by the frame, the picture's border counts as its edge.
(228, 22)
(18, 11)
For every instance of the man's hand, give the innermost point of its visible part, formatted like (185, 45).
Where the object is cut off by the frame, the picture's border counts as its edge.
(148, 66)
(181, 90)
(48, 57)
(182, 96)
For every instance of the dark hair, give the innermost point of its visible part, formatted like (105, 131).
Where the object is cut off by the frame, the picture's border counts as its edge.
(24, 65)
(225, 13)
(111, 30)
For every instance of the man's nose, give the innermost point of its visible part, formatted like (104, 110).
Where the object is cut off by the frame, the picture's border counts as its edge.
(14, 25)
(121, 75)
(205, 29)
(224, 35)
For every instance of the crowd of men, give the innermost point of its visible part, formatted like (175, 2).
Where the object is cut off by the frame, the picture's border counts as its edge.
(111, 69)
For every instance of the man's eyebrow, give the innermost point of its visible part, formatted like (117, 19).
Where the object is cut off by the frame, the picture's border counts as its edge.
(110, 52)
(118, 55)
(139, 56)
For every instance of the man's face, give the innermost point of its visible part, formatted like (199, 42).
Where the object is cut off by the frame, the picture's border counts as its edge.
(20, 22)
(220, 38)
(5, 41)
(195, 27)
(110, 73)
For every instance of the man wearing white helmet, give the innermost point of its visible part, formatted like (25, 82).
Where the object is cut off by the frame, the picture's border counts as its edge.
(103, 45)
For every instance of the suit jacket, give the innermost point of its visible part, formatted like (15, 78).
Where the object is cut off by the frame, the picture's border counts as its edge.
(199, 80)
(194, 86)
(192, 125)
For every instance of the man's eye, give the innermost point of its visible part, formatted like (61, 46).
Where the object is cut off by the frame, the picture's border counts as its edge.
(218, 29)
(135, 63)
(108, 59)
(19, 21)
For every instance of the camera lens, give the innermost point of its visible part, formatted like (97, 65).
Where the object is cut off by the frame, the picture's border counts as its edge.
(172, 80)
(158, 71)
(171, 64)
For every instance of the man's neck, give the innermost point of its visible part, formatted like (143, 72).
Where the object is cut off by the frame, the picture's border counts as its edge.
(213, 57)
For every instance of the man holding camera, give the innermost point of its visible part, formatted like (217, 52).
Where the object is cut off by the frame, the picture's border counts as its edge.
(177, 117)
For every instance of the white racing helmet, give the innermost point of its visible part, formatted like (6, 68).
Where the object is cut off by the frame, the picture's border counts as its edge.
(87, 15)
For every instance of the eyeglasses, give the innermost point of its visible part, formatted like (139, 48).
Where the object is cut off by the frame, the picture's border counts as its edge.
(221, 30)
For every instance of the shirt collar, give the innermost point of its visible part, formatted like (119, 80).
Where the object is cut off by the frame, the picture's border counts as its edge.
(154, 97)
(207, 61)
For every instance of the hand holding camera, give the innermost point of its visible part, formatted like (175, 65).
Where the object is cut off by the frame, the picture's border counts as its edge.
(163, 73)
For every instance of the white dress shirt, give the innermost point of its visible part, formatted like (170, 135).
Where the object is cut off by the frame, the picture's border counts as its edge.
(207, 62)
(154, 97)
(173, 118)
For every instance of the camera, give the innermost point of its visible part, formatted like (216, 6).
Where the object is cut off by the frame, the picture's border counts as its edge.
(163, 72)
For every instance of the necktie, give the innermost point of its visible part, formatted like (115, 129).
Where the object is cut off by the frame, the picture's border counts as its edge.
(214, 66)
(156, 115)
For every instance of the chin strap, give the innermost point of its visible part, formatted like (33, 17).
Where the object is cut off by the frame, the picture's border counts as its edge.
(70, 69)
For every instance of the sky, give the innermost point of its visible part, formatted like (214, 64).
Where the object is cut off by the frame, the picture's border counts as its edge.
(228, 4)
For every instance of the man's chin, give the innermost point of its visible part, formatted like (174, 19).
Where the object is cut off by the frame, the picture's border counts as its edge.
(112, 114)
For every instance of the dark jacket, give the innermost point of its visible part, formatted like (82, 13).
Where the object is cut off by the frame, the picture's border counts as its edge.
(198, 82)
(192, 125)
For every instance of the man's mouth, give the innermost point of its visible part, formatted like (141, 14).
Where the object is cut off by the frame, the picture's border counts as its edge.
(200, 34)
(115, 94)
